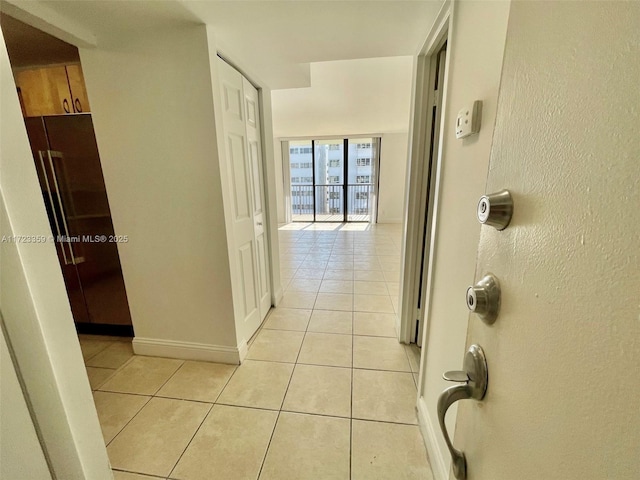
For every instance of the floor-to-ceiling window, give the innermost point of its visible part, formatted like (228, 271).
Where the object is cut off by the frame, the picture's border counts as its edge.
(333, 180)
(301, 178)
(362, 162)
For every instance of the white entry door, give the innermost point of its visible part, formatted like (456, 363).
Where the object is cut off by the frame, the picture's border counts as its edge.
(563, 393)
(252, 297)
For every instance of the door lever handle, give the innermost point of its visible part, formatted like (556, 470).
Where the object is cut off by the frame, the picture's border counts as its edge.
(473, 385)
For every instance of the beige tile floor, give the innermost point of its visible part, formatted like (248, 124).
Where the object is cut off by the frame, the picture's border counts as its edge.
(326, 391)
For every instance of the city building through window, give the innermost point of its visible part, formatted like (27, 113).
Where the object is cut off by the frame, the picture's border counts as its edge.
(332, 180)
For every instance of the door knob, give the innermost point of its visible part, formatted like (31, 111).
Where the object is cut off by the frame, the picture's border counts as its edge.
(473, 382)
(496, 209)
(484, 298)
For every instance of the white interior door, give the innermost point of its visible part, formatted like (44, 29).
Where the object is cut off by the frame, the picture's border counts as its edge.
(254, 145)
(563, 355)
(241, 182)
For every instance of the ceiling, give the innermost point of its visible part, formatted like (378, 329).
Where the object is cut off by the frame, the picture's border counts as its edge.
(277, 39)
(347, 97)
(28, 46)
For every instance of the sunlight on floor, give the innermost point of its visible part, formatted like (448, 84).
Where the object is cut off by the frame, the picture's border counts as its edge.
(326, 226)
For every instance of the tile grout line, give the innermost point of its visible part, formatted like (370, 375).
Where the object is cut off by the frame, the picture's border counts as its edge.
(137, 473)
(85, 360)
(115, 371)
(266, 451)
(130, 420)
(275, 425)
(351, 415)
(407, 354)
(191, 440)
(152, 396)
(170, 377)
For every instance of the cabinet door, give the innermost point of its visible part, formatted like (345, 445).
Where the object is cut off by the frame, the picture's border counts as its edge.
(78, 89)
(45, 91)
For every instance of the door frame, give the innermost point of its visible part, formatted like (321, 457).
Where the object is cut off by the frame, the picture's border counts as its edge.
(423, 99)
(442, 30)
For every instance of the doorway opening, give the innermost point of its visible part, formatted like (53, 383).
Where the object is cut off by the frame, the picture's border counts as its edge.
(420, 293)
(57, 116)
(333, 180)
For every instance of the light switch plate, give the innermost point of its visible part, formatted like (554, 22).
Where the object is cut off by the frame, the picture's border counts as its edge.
(468, 120)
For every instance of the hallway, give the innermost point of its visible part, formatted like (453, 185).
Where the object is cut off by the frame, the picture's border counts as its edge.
(326, 390)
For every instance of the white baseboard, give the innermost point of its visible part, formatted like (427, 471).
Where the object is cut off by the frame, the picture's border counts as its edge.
(389, 220)
(438, 463)
(155, 347)
(277, 296)
(243, 350)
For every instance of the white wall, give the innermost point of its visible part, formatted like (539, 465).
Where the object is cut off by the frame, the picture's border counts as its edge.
(152, 103)
(476, 45)
(36, 310)
(271, 178)
(393, 167)
(563, 395)
(277, 156)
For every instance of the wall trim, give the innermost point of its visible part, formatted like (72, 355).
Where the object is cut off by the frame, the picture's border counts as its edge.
(157, 347)
(438, 30)
(277, 296)
(438, 463)
(243, 350)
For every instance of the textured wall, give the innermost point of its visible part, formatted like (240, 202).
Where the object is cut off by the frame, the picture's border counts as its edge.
(563, 355)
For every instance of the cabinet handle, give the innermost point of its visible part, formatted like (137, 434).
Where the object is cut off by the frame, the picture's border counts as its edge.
(65, 105)
(51, 155)
(78, 105)
(57, 222)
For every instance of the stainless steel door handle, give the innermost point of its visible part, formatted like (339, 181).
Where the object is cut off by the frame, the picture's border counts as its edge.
(475, 379)
(59, 232)
(51, 155)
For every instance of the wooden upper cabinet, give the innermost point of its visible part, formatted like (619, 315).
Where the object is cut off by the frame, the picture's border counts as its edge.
(44, 91)
(52, 91)
(78, 90)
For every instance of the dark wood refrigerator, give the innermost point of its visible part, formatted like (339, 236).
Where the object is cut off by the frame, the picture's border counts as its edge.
(66, 157)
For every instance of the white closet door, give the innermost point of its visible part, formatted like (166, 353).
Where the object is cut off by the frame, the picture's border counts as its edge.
(254, 146)
(240, 184)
